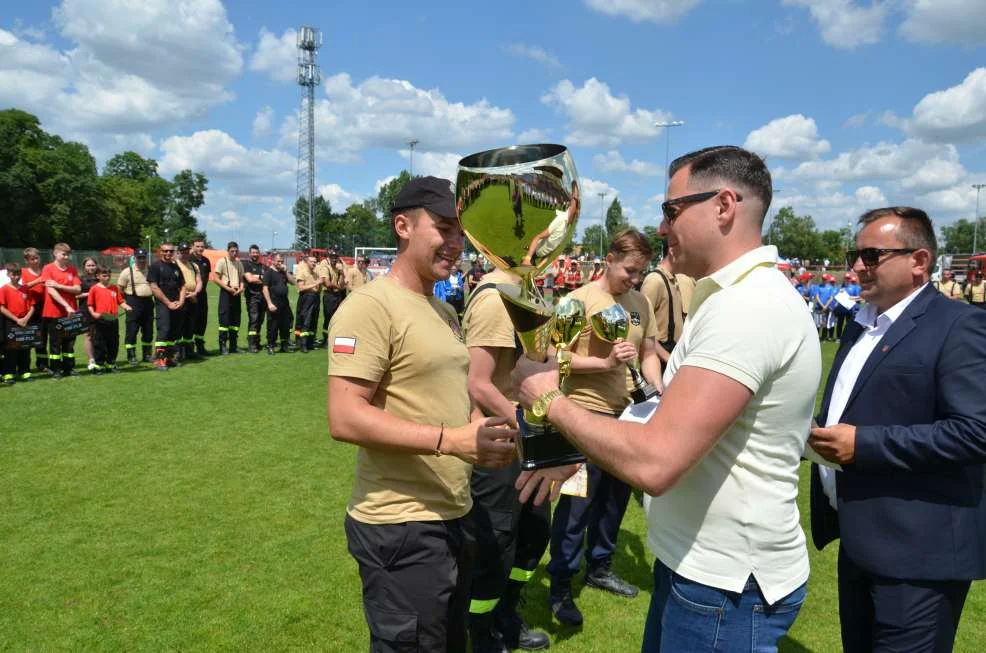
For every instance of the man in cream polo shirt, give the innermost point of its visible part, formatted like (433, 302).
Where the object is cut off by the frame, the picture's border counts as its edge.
(720, 456)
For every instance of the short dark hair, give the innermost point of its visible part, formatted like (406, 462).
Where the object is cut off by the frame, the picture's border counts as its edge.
(231, 244)
(102, 269)
(731, 164)
(630, 241)
(13, 268)
(915, 230)
(256, 247)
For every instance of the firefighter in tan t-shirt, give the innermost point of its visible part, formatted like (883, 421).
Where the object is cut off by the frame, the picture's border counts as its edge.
(661, 288)
(397, 389)
(599, 382)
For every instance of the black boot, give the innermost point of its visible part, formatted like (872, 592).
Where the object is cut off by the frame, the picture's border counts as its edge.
(270, 350)
(147, 353)
(233, 336)
(285, 347)
(512, 629)
(223, 343)
(172, 357)
(177, 353)
(253, 344)
(190, 353)
(200, 347)
(302, 344)
(132, 356)
(482, 636)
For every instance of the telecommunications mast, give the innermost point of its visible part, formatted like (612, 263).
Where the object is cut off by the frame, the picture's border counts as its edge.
(309, 76)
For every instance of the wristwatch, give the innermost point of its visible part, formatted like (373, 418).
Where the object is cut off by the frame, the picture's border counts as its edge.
(542, 403)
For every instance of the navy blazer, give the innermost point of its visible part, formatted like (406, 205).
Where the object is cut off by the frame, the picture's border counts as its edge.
(911, 504)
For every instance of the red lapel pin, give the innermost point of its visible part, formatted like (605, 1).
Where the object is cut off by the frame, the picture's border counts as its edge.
(886, 348)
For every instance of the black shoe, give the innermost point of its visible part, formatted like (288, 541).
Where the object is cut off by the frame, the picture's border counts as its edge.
(270, 350)
(603, 578)
(304, 346)
(515, 634)
(285, 348)
(223, 349)
(71, 372)
(56, 375)
(564, 609)
(200, 349)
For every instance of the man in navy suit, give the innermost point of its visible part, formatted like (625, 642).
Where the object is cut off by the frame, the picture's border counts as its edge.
(903, 414)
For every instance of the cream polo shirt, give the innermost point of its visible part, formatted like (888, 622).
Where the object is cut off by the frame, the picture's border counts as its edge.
(735, 512)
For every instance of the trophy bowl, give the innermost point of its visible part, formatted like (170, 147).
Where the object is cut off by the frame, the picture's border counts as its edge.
(518, 206)
(612, 324)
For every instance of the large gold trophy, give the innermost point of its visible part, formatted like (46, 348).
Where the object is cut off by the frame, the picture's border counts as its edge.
(518, 206)
(612, 324)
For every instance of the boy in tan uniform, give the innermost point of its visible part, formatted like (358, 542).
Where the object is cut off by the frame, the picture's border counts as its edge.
(397, 388)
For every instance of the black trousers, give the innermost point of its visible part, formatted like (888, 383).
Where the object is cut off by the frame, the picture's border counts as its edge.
(187, 322)
(16, 362)
(140, 319)
(415, 583)
(306, 315)
(40, 352)
(105, 342)
(882, 615)
(200, 316)
(169, 325)
(279, 322)
(256, 310)
(330, 303)
(61, 350)
(592, 522)
(230, 311)
(511, 536)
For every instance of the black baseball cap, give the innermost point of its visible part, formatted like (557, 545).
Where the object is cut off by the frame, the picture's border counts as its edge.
(432, 193)
(183, 246)
(140, 252)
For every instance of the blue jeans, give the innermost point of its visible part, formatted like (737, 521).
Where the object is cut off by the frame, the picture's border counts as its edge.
(691, 617)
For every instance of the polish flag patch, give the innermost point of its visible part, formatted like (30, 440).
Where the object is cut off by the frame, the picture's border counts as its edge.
(342, 345)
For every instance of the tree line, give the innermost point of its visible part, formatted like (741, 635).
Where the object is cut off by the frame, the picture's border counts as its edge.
(51, 191)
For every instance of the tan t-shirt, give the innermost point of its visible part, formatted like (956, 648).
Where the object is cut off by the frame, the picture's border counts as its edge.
(951, 289)
(607, 392)
(325, 271)
(487, 324)
(231, 273)
(190, 273)
(355, 278)
(139, 285)
(654, 289)
(686, 285)
(411, 347)
(307, 277)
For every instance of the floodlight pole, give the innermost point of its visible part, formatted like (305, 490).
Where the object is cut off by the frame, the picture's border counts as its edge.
(411, 143)
(975, 228)
(667, 125)
(602, 220)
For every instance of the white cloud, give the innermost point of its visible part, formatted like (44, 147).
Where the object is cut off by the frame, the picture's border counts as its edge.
(592, 208)
(857, 120)
(958, 198)
(383, 182)
(338, 198)
(131, 67)
(277, 56)
(955, 115)
(387, 113)
(883, 161)
(534, 136)
(226, 221)
(655, 11)
(870, 196)
(599, 119)
(791, 137)
(934, 174)
(612, 161)
(945, 21)
(437, 164)
(533, 52)
(217, 154)
(262, 123)
(832, 210)
(845, 24)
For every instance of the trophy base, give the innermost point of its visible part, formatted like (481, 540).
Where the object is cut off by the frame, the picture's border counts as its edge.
(643, 392)
(542, 445)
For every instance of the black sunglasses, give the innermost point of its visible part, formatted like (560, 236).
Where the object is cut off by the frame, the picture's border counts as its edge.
(871, 255)
(167, 251)
(671, 213)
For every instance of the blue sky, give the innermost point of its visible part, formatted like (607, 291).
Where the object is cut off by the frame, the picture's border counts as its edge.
(854, 104)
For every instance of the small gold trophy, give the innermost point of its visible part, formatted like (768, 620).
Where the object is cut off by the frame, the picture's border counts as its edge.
(612, 325)
(518, 206)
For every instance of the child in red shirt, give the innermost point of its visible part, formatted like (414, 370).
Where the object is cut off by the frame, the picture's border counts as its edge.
(105, 300)
(62, 284)
(35, 285)
(16, 309)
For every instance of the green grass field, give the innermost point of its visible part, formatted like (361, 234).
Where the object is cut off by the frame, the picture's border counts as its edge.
(201, 510)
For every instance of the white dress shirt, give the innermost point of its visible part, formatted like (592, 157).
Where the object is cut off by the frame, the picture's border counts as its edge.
(875, 326)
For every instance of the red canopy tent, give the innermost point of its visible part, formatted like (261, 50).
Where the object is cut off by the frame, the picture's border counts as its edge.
(118, 251)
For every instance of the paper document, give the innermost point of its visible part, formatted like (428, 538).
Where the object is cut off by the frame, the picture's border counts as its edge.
(577, 484)
(642, 412)
(844, 300)
(815, 457)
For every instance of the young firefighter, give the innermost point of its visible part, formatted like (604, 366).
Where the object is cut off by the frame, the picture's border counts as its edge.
(105, 300)
(137, 293)
(253, 275)
(275, 290)
(332, 275)
(306, 315)
(229, 277)
(193, 286)
(16, 309)
(35, 285)
(62, 284)
(200, 309)
(167, 284)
